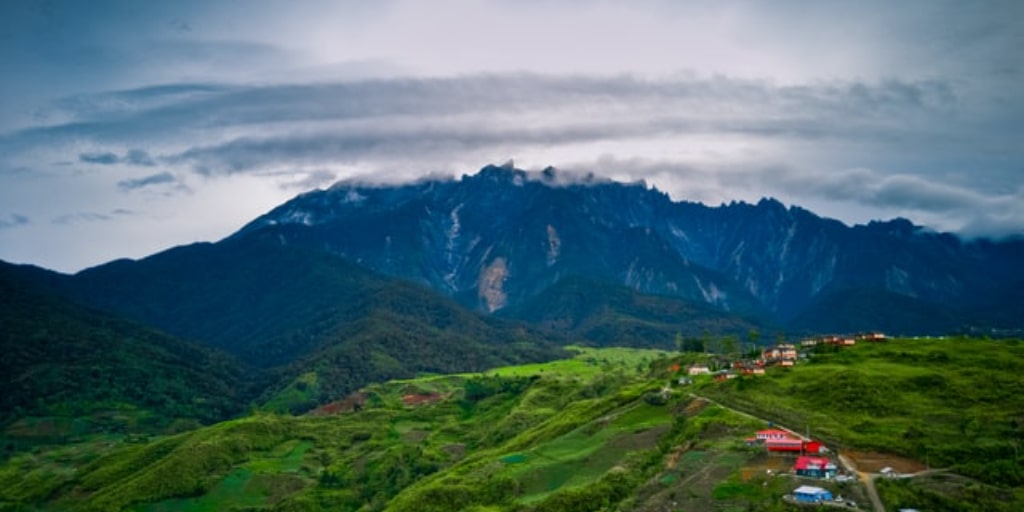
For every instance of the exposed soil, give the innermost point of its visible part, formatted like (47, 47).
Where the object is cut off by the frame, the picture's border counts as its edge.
(760, 465)
(421, 399)
(353, 402)
(873, 462)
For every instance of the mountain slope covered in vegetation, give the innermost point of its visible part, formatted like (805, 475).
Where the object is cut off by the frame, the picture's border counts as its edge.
(62, 359)
(608, 430)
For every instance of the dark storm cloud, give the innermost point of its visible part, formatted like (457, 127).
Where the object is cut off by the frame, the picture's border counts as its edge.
(154, 179)
(920, 132)
(161, 111)
(350, 120)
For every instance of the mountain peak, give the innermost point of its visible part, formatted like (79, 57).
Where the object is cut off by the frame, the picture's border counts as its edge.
(509, 233)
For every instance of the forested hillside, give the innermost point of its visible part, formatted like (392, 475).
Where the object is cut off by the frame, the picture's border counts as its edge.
(62, 359)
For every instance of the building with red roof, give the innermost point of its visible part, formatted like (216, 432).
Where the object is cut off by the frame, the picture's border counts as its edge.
(815, 467)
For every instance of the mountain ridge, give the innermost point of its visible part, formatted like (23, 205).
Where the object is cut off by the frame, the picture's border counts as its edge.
(503, 235)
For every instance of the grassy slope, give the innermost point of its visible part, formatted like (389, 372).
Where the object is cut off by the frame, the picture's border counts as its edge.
(551, 437)
(949, 402)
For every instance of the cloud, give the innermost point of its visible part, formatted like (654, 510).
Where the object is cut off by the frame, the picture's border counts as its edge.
(147, 181)
(99, 158)
(814, 139)
(311, 180)
(138, 157)
(72, 218)
(15, 220)
(134, 157)
(79, 217)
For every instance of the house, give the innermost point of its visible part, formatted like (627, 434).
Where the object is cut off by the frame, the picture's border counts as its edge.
(810, 342)
(780, 351)
(839, 340)
(811, 494)
(699, 369)
(815, 467)
(724, 375)
(814, 447)
(685, 381)
(772, 433)
(785, 445)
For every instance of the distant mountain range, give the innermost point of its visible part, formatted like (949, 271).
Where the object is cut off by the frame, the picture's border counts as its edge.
(502, 237)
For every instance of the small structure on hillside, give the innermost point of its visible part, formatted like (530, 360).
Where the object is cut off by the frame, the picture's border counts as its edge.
(776, 440)
(772, 433)
(811, 494)
(698, 369)
(724, 375)
(782, 351)
(815, 467)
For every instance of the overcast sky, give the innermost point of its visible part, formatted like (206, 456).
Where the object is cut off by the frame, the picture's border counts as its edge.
(128, 127)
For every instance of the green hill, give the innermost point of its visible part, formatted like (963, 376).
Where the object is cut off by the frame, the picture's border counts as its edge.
(947, 402)
(66, 369)
(607, 430)
(319, 325)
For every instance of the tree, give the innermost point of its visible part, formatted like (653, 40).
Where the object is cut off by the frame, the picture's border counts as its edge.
(728, 344)
(692, 344)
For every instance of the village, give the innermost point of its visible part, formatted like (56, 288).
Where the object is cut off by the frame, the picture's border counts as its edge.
(782, 355)
(812, 462)
(812, 459)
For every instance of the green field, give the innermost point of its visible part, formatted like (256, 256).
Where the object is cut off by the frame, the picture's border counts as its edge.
(608, 429)
(946, 402)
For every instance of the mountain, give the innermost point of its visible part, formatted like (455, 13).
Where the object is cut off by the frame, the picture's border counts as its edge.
(311, 318)
(849, 310)
(610, 314)
(62, 359)
(499, 238)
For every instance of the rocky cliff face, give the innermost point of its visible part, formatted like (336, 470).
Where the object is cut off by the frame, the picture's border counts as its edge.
(503, 235)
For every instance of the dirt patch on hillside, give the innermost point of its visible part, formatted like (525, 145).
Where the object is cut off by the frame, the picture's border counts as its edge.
(873, 462)
(764, 464)
(351, 403)
(693, 407)
(421, 399)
